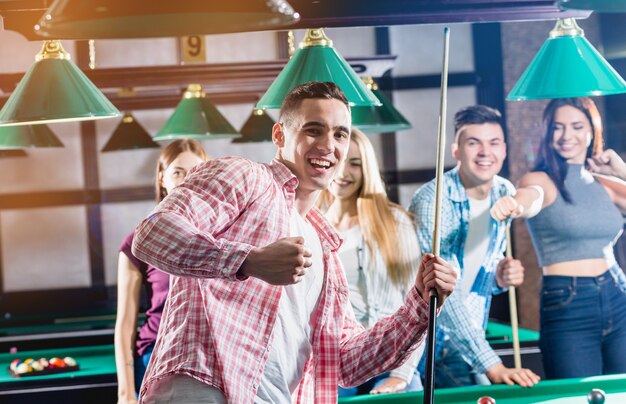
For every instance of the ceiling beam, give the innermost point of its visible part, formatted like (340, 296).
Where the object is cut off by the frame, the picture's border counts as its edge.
(22, 15)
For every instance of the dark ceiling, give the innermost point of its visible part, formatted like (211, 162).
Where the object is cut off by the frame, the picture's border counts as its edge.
(21, 15)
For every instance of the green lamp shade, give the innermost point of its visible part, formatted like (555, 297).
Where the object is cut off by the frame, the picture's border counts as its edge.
(12, 153)
(101, 19)
(54, 90)
(258, 128)
(381, 119)
(129, 135)
(317, 60)
(602, 6)
(196, 118)
(567, 66)
(25, 136)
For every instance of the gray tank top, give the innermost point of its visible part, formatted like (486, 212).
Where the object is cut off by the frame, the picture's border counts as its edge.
(584, 229)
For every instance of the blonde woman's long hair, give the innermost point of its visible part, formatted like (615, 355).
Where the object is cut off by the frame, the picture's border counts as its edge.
(375, 211)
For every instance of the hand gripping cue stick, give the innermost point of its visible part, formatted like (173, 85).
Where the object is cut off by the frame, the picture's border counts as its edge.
(513, 307)
(432, 311)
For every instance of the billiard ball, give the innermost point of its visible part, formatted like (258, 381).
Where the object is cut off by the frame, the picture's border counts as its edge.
(23, 368)
(56, 363)
(69, 361)
(595, 396)
(14, 364)
(486, 400)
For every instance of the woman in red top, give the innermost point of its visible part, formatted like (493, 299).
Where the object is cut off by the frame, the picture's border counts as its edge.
(133, 349)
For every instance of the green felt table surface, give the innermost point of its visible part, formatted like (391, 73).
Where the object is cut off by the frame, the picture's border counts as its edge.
(57, 327)
(501, 333)
(93, 361)
(564, 391)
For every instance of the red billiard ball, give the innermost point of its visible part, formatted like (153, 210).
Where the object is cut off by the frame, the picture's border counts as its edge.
(57, 363)
(485, 400)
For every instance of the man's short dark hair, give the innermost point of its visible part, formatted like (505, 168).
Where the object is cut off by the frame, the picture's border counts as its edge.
(475, 115)
(309, 90)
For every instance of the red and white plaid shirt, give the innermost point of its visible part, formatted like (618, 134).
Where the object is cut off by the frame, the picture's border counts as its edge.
(216, 327)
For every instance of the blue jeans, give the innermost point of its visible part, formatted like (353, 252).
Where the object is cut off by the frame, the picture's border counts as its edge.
(141, 363)
(365, 388)
(451, 370)
(583, 326)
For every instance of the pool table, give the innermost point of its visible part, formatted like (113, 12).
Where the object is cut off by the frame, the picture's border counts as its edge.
(94, 382)
(90, 340)
(56, 333)
(565, 391)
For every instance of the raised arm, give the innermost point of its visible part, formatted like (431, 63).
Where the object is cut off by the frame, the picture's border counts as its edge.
(180, 236)
(608, 163)
(535, 191)
(610, 171)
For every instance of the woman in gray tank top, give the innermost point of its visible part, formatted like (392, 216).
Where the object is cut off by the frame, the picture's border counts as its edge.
(574, 219)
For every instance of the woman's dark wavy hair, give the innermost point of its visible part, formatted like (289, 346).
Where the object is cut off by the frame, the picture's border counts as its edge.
(549, 161)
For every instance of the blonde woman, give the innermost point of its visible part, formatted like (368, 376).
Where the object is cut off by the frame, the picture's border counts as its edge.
(133, 349)
(379, 253)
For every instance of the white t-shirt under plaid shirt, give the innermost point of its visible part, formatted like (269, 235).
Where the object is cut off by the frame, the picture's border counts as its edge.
(291, 341)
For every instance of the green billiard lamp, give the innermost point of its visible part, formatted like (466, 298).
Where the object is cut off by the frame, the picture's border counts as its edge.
(54, 89)
(27, 136)
(129, 135)
(196, 118)
(317, 60)
(257, 128)
(567, 65)
(382, 119)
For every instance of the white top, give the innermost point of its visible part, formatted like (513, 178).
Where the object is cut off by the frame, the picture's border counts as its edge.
(291, 339)
(476, 244)
(352, 256)
(372, 294)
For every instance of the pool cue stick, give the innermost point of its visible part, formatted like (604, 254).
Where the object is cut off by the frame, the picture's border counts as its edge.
(517, 358)
(434, 298)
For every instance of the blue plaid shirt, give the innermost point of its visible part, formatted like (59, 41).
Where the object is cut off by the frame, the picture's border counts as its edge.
(457, 326)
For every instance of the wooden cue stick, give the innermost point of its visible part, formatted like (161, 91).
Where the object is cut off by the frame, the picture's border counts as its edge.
(434, 299)
(517, 358)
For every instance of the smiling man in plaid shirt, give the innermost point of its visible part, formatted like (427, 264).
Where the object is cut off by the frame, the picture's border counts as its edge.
(258, 308)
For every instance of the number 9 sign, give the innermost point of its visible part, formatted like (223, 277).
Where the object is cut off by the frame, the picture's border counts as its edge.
(192, 49)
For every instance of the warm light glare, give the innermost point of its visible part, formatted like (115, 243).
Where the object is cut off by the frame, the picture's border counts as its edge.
(99, 19)
(58, 120)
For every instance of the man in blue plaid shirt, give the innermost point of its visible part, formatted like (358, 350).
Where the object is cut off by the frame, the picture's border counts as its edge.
(473, 243)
